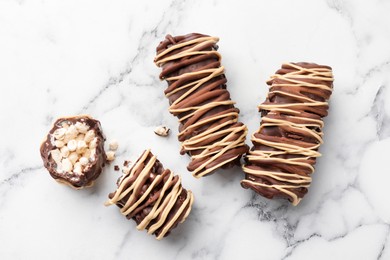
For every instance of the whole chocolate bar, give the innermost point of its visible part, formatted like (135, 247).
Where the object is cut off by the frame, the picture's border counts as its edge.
(285, 147)
(73, 151)
(209, 129)
(152, 196)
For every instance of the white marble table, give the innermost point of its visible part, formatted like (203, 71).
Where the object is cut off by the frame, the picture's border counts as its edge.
(70, 57)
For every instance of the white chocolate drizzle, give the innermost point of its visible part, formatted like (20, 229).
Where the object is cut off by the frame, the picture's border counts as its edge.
(292, 121)
(168, 196)
(231, 137)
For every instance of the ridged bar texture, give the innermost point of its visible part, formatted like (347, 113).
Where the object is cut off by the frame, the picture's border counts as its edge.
(152, 196)
(209, 129)
(285, 147)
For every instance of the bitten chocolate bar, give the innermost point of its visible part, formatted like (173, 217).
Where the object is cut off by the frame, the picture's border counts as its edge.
(152, 196)
(285, 147)
(209, 130)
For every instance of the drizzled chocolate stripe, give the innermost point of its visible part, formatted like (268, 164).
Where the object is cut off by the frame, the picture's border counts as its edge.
(152, 196)
(209, 129)
(285, 147)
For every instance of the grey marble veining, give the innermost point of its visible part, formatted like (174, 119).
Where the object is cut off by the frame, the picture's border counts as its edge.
(68, 57)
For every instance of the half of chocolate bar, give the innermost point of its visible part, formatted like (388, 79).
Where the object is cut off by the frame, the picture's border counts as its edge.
(73, 151)
(152, 196)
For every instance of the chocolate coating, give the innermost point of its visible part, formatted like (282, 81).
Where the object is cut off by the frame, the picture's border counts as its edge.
(282, 159)
(152, 196)
(209, 129)
(93, 168)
